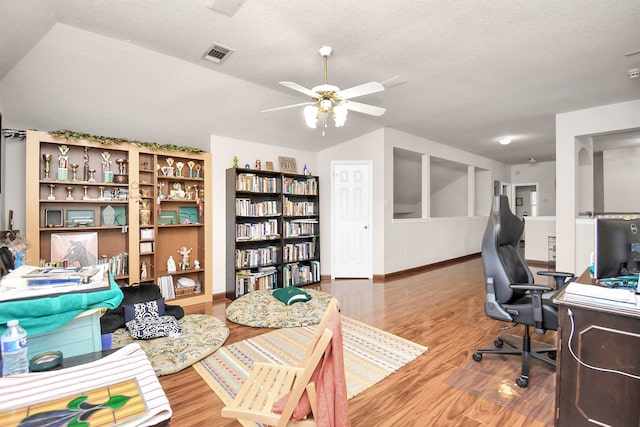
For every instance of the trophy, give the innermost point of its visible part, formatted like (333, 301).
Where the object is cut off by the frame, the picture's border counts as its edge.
(91, 173)
(191, 164)
(74, 171)
(47, 164)
(51, 195)
(85, 162)
(63, 162)
(69, 191)
(121, 177)
(86, 194)
(169, 169)
(179, 166)
(198, 167)
(106, 167)
(101, 193)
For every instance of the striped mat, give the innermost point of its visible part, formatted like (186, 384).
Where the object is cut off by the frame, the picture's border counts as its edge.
(370, 355)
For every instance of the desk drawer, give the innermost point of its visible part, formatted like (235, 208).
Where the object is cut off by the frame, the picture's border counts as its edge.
(80, 336)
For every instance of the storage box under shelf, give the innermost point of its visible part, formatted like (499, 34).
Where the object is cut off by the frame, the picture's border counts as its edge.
(186, 290)
(79, 336)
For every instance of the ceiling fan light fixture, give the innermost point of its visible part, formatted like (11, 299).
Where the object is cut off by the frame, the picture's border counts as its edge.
(505, 141)
(311, 116)
(340, 115)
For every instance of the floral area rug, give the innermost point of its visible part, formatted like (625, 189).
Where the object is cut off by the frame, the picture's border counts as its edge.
(260, 309)
(201, 336)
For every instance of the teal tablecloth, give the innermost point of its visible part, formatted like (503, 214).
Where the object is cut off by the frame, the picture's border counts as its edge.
(39, 315)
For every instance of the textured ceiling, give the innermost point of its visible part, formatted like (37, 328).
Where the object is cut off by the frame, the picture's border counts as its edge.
(475, 71)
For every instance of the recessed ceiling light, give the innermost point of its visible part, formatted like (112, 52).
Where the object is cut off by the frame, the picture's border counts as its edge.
(505, 141)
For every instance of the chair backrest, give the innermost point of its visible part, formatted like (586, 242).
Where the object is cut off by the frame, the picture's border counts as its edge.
(310, 360)
(332, 308)
(501, 257)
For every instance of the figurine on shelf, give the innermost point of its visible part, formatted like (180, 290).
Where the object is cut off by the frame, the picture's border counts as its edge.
(305, 171)
(143, 271)
(258, 165)
(196, 264)
(171, 265)
(235, 162)
(184, 265)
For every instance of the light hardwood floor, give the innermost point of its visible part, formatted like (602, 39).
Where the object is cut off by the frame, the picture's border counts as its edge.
(442, 309)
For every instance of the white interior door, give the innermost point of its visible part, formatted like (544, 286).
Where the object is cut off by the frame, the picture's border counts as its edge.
(351, 220)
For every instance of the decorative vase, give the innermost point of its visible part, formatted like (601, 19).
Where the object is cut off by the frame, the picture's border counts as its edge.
(145, 216)
(145, 212)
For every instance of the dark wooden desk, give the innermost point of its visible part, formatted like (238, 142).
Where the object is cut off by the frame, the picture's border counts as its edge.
(605, 337)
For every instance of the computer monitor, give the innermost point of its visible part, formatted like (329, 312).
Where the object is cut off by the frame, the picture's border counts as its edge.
(617, 247)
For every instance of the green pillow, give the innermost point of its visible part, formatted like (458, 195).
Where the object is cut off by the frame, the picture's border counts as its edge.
(291, 294)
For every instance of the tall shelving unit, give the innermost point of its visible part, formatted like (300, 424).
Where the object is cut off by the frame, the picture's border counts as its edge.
(91, 205)
(272, 230)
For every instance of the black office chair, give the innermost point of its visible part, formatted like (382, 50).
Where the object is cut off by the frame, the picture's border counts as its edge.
(511, 294)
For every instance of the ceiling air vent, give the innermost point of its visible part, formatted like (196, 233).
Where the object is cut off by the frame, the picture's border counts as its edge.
(217, 53)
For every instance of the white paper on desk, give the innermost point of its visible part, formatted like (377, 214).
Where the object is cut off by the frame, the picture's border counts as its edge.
(601, 293)
(128, 362)
(14, 285)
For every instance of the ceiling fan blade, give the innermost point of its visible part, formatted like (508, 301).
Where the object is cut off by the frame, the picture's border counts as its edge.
(288, 106)
(298, 88)
(360, 90)
(364, 108)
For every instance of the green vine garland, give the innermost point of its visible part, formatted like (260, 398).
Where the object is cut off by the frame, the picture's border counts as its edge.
(108, 140)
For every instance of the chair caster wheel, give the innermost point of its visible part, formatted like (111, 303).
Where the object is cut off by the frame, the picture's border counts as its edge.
(498, 343)
(477, 357)
(552, 355)
(522, 382)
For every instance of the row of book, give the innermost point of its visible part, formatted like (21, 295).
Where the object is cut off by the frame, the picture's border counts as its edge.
(299, 228)
(307, 186)
(257, 257)
(299, 251)
(245, 207)
(299, 208)
(258, 231)
(256, 184)
(300, 274)
(249, 281)
(118, 264)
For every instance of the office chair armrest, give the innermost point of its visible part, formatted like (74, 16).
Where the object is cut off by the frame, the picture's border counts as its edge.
(530, 287)
(536, 292)
(560, 277)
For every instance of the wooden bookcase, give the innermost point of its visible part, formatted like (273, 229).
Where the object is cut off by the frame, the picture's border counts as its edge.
(272, 230)
(66, 207)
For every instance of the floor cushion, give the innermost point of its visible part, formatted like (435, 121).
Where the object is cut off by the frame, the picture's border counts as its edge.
(260, 309)
(201, 336)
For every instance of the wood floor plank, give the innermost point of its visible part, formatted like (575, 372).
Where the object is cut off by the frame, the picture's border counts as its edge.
(441, 309)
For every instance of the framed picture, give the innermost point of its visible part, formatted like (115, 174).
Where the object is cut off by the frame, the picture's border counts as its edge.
(168, 218)
(53, 218)
(80, 217)
(288, 164)
(188, 215)
(74, 249)
(146, 233)
(269, 166)
(518, 201)
(146, 247)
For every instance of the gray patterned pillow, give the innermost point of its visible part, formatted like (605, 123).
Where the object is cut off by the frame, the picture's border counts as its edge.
(162, 326)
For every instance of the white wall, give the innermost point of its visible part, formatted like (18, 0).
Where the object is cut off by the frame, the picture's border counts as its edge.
(413, 243)
(223, 149)
(620, 171)
(571, 129)
(367, 147)
(543, 174)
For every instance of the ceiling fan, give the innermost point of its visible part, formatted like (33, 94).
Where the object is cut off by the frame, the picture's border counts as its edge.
(330, 100)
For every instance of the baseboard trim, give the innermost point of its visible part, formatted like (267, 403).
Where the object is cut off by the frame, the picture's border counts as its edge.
(423, 268)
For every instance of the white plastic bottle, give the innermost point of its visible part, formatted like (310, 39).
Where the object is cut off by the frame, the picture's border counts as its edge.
(14, 350)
